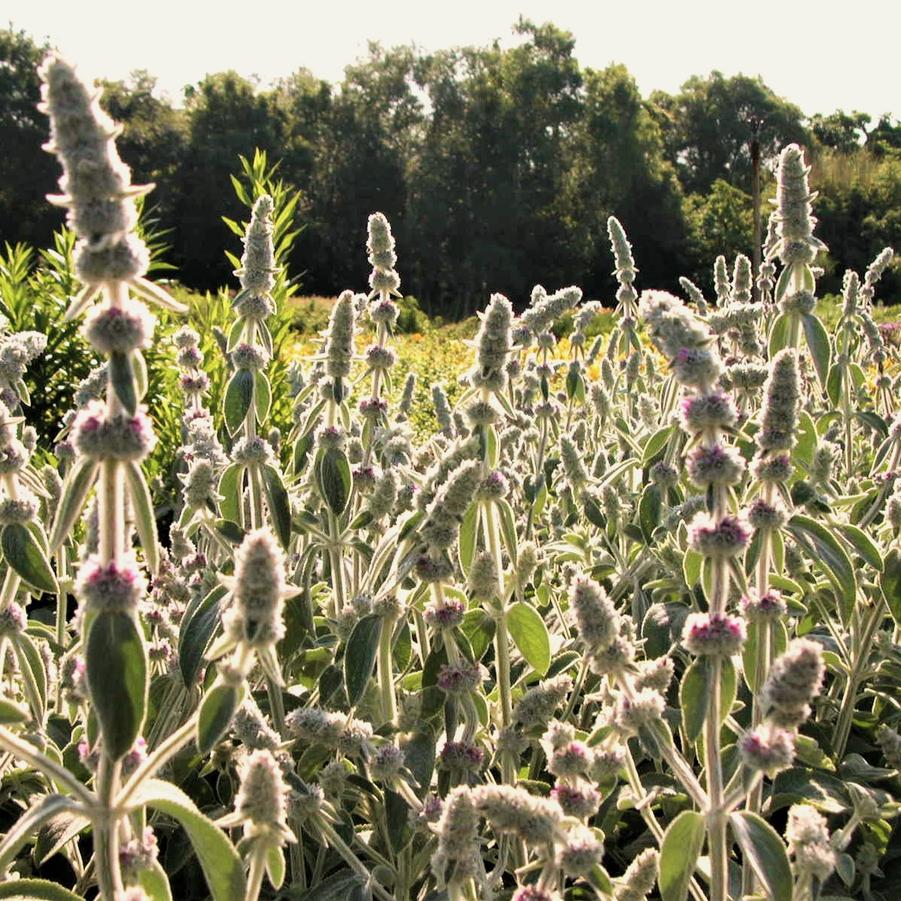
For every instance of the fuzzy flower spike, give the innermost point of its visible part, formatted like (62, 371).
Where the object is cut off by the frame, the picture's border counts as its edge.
(96, 187)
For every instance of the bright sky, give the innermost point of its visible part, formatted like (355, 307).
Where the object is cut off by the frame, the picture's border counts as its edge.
(821, 55)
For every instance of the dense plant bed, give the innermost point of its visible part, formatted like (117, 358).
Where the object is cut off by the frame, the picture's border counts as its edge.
(623, 625)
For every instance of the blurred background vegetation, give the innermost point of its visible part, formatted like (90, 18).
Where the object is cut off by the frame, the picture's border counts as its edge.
(497, 168)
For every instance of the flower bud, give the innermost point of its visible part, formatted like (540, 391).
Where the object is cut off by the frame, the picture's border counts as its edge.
(596, 617)
(577, 798)
(457, 856)
(117, 586)
(719, 539)
(262, 798)
(511, 809)
(581, 851)
(119, 329)
(795, 678)
(713, 634)
(763, 608)
(255, 615)
(639, 879)
(767, 748)
(102, 436)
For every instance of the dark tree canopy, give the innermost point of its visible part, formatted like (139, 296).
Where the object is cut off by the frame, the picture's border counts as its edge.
(497, 167)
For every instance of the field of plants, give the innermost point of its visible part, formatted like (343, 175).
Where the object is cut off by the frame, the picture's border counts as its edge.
(568, 603)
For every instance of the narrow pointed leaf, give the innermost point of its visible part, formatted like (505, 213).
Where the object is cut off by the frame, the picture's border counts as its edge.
(145, 520)
(278, 504)
(359, 656)
(679, 853)
(238, 399)
(122, 378)
(78, 483)
(24, 554)
(218, 859)
(765, 852)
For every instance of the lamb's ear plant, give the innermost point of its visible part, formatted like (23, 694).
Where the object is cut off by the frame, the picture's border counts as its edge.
(110, 437)
(629, 603)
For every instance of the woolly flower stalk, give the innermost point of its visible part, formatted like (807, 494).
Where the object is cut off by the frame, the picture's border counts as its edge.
(766, 275)
(493, 345)
(795, 221)
(808, 842)
(457, 858)
(681, 337)
(721, 281)
(573, 467)
(258, 591)
(639, 879)
(537, 704)
(383, 280)
(625, 271)
(795, 679)
(694, 294)
(444, 514)
(258, 269)
(595, 616)
(779, 414)
(741, 280)
(339, 342)
(511, 809)
(545, 309)
(261, 802)
(96, 187)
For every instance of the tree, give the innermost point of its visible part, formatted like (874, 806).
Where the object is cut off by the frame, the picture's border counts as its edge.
(487, 186)
(619, 168)
(153, 140)
(707, 128)
(228, 117)
(27, 173)
(719, 222)
(844, 132)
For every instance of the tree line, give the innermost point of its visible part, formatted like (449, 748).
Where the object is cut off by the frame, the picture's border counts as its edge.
(497, 167)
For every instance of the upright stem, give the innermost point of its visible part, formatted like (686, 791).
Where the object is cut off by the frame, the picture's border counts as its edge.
(501, 639)
(716, 817)
(106, 851)
(870, 624)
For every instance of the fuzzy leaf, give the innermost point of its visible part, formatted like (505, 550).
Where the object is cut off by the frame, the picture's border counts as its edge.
(116, 662)
(693, 695)
(679, 853)
(237, 400)
(221, 865)
(231, 492)
(278, 503)
(765, 852)
(78, 483)
(197, 628)
(262, 396)
(122, 378)
(334, 478)
(818, 342)
(826, 552)
(530, 635)
(43, 811)
(24, 554)
(216, 713)
(145, 520)
(359, 656)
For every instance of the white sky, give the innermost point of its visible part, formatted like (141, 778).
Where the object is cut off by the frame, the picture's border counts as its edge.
(820, 54)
